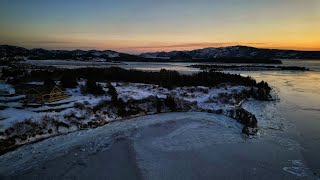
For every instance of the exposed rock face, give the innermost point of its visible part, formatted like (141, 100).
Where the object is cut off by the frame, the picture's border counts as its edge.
(250, 130)
(7, 144)
(262, 94)
(184, 105)
(246, 118)
(97, 122)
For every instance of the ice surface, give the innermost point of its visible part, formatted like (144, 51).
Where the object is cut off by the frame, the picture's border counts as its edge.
(298, 168)
(97, 139)
(198, 135)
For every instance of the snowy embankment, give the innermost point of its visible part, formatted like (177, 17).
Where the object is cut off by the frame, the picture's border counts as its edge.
(22, 123)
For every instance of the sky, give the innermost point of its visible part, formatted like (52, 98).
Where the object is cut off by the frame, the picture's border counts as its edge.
(136, 26)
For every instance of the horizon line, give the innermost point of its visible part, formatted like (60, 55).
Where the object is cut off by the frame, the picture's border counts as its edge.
(145, 47)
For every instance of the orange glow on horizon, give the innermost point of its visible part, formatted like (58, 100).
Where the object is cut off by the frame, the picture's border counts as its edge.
(143, 26)
(135, 47)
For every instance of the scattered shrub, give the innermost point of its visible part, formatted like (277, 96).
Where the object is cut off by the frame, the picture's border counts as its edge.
(121, 107)
(87, 103)
(112, 92)
(158, 105)
(79, 105)
(100, 105)
(170, 102)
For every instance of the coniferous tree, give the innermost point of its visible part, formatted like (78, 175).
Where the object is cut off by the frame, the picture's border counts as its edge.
(112, 92)
(69, 81)
(91, 87)
(49, 82)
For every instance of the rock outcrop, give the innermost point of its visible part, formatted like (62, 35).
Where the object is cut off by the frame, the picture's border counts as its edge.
(246, 118)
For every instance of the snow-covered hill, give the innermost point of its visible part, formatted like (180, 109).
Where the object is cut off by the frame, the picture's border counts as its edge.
(18, 53)
(239, 52)
(242, 53)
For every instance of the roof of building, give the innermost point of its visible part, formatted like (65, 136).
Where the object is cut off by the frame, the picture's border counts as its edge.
(41, 89)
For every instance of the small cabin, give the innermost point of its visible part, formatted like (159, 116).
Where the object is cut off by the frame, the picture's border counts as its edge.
(45, 93)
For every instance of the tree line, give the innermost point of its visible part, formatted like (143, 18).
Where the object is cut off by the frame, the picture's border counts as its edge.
(165, 78)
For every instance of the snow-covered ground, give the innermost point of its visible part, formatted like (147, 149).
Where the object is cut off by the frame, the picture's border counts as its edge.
(17, 112)
(207, 98)
(26, 122)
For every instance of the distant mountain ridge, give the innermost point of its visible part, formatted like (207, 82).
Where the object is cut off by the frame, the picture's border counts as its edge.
(19, 53)
(237, 52)
(231, 54)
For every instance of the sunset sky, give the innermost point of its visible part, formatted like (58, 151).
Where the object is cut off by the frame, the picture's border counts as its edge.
(136, 26)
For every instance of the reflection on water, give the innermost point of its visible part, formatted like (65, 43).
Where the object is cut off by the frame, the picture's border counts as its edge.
(302, 88)
(311, 64)
(153, 66)
(299, 94)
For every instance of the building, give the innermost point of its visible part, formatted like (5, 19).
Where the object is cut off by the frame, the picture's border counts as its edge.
(44, 93)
